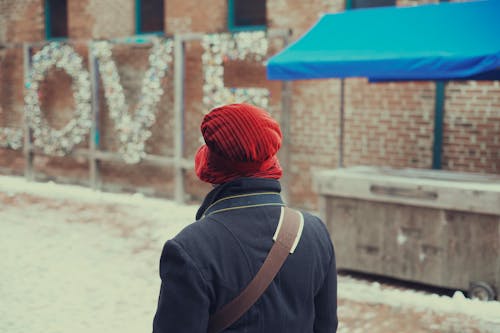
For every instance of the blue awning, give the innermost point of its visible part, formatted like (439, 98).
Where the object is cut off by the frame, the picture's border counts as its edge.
(429, 42)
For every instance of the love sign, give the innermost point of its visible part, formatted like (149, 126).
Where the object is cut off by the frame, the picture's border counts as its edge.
(133, 128)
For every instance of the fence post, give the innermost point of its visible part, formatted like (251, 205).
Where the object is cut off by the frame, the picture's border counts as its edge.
(95, 181)
(28, 133)
(179, 117)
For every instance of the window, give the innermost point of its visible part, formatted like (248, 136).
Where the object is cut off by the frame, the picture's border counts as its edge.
(246, 15)
(56, 19)
(149, 16)
(353, 4)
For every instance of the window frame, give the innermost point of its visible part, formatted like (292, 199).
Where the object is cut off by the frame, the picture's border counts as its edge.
(231, 24)
(349, 5)
(138, 21)
(48, 22)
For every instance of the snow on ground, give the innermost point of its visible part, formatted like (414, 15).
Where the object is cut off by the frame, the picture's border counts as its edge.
(73, 259)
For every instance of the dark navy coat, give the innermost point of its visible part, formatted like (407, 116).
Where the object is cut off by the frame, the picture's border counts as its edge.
(212, 260)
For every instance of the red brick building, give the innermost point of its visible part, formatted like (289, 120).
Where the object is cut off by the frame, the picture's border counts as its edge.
(389, 124)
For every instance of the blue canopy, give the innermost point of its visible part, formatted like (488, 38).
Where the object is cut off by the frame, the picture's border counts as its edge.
(428, 42)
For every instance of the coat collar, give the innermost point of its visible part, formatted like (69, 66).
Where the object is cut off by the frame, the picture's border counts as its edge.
(237, 187)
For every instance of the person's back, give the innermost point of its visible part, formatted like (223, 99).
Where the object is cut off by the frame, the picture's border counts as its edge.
(211, 261)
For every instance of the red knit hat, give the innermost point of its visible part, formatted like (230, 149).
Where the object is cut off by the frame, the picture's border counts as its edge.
(241, 141)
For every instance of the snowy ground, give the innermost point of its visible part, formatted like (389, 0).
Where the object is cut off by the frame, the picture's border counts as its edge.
(75, 260)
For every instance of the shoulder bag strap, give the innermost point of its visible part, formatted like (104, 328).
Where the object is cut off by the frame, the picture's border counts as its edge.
(286, 239)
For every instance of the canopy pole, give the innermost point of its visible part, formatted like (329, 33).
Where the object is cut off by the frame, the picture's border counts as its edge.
(286, 113)
(347, 6)
(286, 109)
(437, 146)
(341, 124)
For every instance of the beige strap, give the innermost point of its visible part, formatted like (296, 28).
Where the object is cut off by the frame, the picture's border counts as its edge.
(288, 234)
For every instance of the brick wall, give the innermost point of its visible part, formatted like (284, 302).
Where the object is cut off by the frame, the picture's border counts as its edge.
(314, 136)
(110, 18)
(80, 19)
(196, 16)
(389, 123)
(472, 127)
(385, 123)
(303, 15)
(21, 20)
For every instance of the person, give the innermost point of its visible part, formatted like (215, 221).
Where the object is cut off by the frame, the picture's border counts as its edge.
(213, 259)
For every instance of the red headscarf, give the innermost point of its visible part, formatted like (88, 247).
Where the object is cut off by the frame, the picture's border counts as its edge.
(241, 141)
